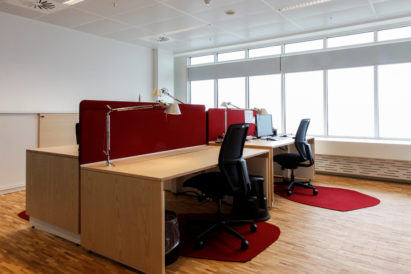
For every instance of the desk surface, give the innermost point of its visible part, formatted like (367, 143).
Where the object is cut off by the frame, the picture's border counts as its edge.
(167, 166)
(267, 143)
(69, 151)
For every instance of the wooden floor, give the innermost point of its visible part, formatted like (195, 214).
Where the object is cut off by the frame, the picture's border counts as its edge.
(312, 240)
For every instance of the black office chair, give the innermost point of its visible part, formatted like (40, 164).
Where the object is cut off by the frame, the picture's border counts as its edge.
(232, 180)
(293, 161)
(78, 133)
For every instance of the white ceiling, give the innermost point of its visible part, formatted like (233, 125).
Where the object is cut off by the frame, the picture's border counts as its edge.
(141, 21)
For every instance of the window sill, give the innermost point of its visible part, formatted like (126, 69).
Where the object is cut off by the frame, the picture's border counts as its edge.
(367, 141)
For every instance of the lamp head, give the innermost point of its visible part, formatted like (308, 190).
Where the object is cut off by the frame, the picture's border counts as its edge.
(157, 92)
(170, 108)
(173, 109)
(225, 104)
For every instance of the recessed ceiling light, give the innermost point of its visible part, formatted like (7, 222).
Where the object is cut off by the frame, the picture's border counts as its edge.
(230, 12)
(304, 5)
(72, 2)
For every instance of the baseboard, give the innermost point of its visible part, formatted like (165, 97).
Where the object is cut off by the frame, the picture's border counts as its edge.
(12, 188)
(52, 229)
(376, 169)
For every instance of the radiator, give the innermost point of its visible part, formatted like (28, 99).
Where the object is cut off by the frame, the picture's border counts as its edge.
(388, 170)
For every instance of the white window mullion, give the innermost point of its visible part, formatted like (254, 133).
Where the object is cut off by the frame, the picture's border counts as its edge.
(325, 102)
(216, 93)
(189, 92)
(325, 99)
(247, 92)
(376, 105)
(283, 110)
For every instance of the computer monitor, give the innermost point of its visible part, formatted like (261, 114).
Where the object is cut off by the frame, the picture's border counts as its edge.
(264, 125)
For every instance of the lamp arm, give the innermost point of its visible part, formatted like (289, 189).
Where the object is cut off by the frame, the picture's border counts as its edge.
(164, 91)
(234, 106)
(132, 108)
(108, 123)
(168, 94)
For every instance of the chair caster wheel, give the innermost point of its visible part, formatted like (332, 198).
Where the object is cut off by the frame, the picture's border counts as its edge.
(253, 227)
(199, 244)
(315, 192)
(289, 192)
(244, 245)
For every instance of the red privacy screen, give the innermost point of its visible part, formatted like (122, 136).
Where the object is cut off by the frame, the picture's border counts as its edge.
(216, 121)
(137, 132)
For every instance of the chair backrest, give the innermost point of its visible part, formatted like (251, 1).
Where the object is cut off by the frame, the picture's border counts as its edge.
(303, 147)
(78, 133)
(231, 162)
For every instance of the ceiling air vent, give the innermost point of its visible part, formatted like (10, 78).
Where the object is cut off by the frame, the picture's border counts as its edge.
(158, 39)
(162, 39)
(44, 6)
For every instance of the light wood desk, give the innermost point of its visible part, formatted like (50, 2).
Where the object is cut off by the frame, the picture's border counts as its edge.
(53, 190)
(122, 206)
(283, 145)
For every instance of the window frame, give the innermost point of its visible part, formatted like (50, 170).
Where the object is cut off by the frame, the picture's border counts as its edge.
(325, 82)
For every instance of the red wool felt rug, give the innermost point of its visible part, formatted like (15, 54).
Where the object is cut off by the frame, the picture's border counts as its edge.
(329, 197)
(221, 245)
(24, 216)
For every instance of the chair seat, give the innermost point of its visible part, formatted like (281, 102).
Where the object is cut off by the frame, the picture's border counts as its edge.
(211, 184)
(288, 160)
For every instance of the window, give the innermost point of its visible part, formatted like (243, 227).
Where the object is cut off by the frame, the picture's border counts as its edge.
(202, 93)
(351, 102)
(398, 33)
(304, 46)
(275, 50)
(265, 92)
(347, 40)
(229, 56)
(304, 99)
(232, 90)
(394, 89)
(202, 60)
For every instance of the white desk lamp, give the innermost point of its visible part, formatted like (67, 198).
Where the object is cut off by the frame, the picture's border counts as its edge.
(262, 111)
(171, 109)
(159, 92)
(226, 105)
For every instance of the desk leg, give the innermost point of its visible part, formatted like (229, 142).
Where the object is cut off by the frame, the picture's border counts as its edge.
(122, 218)
(263, 166)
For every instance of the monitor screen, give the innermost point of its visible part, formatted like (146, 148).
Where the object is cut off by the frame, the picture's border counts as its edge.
(264, 125)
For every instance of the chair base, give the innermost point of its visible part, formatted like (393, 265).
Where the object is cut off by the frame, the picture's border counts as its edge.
(225, 225)
(292, 183)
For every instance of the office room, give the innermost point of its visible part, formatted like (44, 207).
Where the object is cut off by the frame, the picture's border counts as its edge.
(205, 136)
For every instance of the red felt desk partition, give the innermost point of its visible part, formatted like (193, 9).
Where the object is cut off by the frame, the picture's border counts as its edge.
(216, 121)
(137, 132)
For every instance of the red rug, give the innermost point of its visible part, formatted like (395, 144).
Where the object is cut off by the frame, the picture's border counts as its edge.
(329, 197)
(223, 246)
(24, 216)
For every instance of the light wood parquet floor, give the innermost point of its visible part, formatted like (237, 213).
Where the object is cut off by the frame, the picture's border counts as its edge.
(313, 240)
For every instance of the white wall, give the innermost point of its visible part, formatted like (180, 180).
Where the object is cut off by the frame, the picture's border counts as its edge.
(17, 132)
(392, 150)
(180, 78)
(46, 68)
(163, 71)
